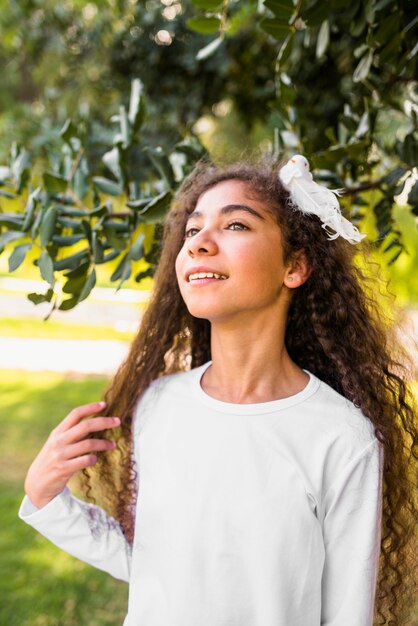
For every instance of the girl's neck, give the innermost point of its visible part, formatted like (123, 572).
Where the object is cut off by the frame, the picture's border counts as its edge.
(250, 364)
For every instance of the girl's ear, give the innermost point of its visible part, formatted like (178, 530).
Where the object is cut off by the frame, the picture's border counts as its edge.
(298, 271)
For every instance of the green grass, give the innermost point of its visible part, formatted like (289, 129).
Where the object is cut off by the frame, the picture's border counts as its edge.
(50, 329)
(41, 585)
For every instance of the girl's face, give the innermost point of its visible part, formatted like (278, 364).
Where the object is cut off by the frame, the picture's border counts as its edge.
(236, 242)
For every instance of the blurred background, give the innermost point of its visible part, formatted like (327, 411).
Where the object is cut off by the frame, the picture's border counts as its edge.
(154, 85)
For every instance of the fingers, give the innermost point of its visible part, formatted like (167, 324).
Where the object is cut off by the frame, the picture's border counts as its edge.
(79, 413)
(88, 446)
(81, 462)
(83, 430)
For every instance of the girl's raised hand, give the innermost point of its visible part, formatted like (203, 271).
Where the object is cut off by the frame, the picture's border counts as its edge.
(67, 450)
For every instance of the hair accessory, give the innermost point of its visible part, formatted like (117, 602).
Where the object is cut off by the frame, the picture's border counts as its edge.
(309, 197)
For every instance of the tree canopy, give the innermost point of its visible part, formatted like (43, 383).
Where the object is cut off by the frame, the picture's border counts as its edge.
(101, 103)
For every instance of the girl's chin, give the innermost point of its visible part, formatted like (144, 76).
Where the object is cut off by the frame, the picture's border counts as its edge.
(211, 314)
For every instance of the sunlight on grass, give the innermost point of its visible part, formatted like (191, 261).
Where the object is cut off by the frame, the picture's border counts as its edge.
(37, 329)
(41, 585)
(32, 404)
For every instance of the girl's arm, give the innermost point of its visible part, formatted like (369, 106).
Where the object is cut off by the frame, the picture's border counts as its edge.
(81, 529)
(352, 510)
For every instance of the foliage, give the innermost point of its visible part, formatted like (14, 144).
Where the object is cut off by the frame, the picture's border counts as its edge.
(40, 584)
(333, 81)
(69, 207)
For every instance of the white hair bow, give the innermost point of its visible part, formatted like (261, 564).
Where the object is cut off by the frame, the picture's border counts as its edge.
(310, 197)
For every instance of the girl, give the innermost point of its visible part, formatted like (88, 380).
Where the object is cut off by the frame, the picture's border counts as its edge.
(264, 431)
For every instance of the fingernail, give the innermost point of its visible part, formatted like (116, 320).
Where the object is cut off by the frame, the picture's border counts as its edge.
(102, 403)
(116, 420)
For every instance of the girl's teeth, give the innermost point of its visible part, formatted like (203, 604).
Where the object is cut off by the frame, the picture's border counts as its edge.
(206, 275)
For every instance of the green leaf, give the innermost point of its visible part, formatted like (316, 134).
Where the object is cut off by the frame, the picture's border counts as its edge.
(96, 244)
(19, 166)
(408, 149)
(80, 183)
(125, 127)
(282, 10)
(155, 211)
(145, 274)
(119, 243)
(18, 256)
(204, 25)
(99, 211)
(46, 266)
(68, 131)
(107, 186)
(54, 183)
(110, 256)
(162, 163)
(316, 13)
(382, 4)
(393, 242)
(362, 70)
(388, 28)
(69, 223)
(392, 177)
(393, 259)
(7, 194)
(81, 270)
(67, 240)
(73, 261)
(140, 203)
(70, 210)
(75, 284)
(276, 29)
(413, 194)
(323, 39)
(208, 50)
(112, 160)
(122, 271)
(285, 49)
(12, 220)
(88, 286)
(37, 298)
(137, 251)
(136, 105)
(66, 305)
(8, 236)
(30, 208)
(208, 5)
(47, 228)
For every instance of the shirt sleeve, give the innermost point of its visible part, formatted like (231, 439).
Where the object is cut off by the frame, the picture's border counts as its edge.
(352, 531)
(83, 530)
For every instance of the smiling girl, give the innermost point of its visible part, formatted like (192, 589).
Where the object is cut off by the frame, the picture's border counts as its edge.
(264, 425)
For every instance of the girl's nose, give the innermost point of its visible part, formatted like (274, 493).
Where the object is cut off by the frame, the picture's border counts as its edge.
(202, 243)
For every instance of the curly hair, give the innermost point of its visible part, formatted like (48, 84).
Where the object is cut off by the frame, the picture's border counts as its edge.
(336, 329)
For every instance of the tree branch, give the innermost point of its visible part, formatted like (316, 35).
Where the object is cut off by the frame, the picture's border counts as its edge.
(351, 191)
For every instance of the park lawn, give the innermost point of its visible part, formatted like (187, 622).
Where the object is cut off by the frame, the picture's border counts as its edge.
(41, 585)
(39, 329)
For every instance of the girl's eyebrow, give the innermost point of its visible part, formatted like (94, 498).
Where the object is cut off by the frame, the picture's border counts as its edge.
(230, 208)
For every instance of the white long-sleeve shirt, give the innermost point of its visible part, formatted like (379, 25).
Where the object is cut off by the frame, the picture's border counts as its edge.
(262, 514)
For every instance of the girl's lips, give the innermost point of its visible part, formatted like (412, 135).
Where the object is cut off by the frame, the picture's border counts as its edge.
(204, 281)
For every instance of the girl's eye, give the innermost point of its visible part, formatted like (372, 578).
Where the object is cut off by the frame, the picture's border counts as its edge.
(233, 226)
(239, 224)
(188, 232)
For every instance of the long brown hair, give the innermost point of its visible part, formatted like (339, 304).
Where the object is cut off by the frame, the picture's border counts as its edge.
(336, 329)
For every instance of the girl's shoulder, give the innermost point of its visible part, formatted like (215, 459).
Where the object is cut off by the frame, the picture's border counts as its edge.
(340, 421)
